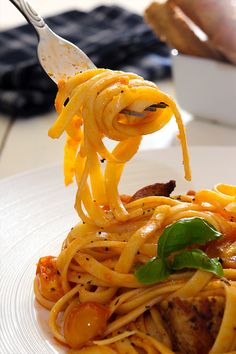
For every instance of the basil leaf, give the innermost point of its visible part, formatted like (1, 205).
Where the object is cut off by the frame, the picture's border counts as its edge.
(185, 232)
(152, 272)
(197, 259)
(175, 237)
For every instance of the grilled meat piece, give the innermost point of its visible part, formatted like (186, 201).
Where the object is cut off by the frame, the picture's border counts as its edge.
(158, 189)
(193, 323)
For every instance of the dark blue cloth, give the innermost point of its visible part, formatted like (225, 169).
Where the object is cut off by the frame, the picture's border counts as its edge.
(111, 36)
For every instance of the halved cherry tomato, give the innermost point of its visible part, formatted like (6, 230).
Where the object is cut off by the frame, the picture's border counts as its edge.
(49, 279)
(84, 322)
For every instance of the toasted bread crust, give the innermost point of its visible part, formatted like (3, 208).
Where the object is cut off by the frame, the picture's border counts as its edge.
(217, 19)
(169, 24)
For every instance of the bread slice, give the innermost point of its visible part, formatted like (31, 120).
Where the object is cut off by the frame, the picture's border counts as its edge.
(217, 19)
(169, 23)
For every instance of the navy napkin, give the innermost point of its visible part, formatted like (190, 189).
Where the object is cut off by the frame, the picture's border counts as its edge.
(110, 35)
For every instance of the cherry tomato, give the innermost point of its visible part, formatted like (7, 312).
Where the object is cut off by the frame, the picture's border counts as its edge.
(49, 279)
(85, 322)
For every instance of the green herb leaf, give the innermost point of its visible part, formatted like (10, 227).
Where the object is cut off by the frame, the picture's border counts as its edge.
(175, 237)
(153, 271)
(197, 259)
(185, 232)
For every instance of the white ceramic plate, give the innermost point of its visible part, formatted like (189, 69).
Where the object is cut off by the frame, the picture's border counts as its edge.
(36, 212)
(206, 87)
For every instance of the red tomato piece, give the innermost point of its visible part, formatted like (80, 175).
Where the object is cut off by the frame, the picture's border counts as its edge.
(49, 279)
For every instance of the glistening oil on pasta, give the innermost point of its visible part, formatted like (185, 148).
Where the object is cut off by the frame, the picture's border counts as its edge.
(153, 274)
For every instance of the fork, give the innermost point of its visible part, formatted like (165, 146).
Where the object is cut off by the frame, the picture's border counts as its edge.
(70, 60)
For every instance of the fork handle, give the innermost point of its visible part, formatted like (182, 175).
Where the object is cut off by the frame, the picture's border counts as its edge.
(30, 14)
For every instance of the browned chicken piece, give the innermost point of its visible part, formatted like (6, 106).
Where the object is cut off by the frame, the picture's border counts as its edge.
(217, 19)
(169, 23)
(193, 323)
(158, 189)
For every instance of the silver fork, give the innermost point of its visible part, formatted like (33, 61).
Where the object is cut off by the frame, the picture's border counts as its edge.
(59, 57)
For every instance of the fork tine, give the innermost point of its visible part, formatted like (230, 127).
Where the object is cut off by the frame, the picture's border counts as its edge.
(70, 59)
(133, 113)
(151, 108)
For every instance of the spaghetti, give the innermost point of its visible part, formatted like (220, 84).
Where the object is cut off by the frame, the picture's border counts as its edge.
(97, 304)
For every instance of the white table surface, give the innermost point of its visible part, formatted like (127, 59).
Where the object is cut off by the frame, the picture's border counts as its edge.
(24, 144)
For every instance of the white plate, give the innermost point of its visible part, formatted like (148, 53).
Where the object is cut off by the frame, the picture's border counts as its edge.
(206, 87)
(36, 212)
